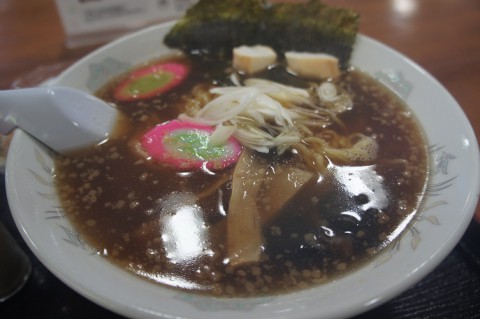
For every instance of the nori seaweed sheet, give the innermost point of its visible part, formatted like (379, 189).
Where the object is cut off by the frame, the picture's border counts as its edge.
(212, 28)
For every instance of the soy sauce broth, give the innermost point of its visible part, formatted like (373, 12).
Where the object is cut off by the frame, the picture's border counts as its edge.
(169, 227)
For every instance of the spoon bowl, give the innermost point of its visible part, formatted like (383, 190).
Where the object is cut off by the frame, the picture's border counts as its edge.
(62, 118)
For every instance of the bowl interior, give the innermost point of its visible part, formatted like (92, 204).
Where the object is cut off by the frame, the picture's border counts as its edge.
(451, 199)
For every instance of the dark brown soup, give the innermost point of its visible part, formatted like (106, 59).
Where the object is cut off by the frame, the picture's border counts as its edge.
(172, 227)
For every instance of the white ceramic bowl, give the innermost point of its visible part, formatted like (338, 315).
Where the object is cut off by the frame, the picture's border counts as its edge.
(452, 197)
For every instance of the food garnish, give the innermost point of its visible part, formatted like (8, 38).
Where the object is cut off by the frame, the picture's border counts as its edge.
(313, 65)
(151, 80)
(188, 146)
(212, 28)
(252, 59)
(252, 179)
(270, 117)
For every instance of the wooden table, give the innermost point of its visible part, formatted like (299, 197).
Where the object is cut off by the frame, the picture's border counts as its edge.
(443, 36)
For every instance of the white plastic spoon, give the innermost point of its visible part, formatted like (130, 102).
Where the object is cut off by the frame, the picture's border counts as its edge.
(63, 118)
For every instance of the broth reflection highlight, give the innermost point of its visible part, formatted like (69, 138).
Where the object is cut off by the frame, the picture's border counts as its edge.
(302, 219)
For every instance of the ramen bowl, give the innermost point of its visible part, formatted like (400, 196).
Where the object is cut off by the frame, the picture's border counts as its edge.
(451, 198)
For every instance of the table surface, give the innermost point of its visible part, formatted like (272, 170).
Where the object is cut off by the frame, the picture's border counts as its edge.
(443, 36)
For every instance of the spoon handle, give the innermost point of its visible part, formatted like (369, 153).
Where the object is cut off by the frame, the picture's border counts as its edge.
(11, 102)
